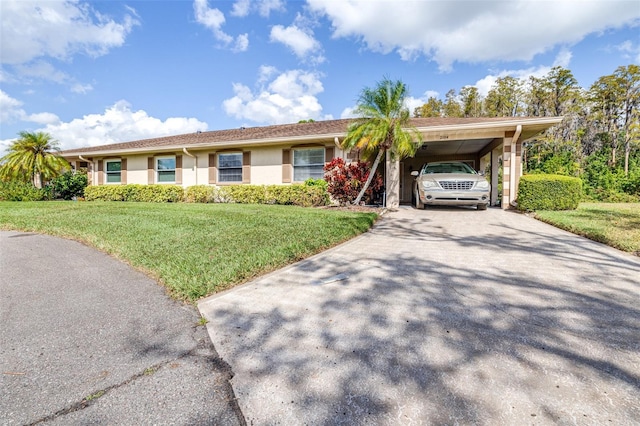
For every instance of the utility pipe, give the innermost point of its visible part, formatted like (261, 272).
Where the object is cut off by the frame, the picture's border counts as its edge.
(88, 162)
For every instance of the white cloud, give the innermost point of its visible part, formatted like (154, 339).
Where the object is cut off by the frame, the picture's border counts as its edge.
(630, 51)
(473, 31)
(349, 112)
(82, 89)
(299, 40)
(288, 98)
(266, 6)
(563, 58)
(242, 8)
(412, 103)
(10, 108)
(43, 118)
(41, 70)
(57, 29)
(242, 43)
(214, 19)
(118, 123)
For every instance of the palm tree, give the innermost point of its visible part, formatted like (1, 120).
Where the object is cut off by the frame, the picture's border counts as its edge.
(33, 157)
(383, 126)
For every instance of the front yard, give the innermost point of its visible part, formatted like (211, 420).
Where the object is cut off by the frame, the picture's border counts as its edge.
(200, 249)
(194, 249)
(617, 225)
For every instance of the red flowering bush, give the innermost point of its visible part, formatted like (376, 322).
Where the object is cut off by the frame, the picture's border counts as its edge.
(346, 180)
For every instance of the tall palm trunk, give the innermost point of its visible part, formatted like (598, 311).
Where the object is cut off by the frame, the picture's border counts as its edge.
(372, 172)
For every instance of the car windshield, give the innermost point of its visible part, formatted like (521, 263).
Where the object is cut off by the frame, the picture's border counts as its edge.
(447, 168)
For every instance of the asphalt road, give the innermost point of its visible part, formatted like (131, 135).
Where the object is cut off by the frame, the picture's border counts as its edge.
(85, 339)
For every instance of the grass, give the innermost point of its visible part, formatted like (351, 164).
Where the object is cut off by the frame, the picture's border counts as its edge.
(617, 225)
(194, 249)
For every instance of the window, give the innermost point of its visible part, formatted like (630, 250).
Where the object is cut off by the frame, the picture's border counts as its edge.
(308, 163)
(113, 170)
(166, 169)
(230, 167)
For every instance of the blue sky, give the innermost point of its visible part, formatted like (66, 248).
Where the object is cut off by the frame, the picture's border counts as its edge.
(92, 73)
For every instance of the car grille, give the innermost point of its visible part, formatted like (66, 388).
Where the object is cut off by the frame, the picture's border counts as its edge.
(456, 185)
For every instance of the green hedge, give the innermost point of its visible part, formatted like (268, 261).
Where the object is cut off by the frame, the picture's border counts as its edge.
(299, 194)
(549, 192)
(21, 191)
(133, 192)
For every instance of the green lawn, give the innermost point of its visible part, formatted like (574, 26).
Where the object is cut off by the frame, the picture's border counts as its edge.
(194, 249)
(617, 225)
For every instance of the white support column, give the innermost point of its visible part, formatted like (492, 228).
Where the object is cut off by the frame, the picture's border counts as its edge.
(511, 168)
(392, 168)
(506, 172)
(513, 172)
(495, 172)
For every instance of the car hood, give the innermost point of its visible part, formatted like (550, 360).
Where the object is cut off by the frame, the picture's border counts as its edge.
(451, 176)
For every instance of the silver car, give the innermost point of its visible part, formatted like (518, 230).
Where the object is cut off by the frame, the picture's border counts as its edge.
(450, 183)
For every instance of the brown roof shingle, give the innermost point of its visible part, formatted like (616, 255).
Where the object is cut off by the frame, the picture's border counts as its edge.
(326, 128)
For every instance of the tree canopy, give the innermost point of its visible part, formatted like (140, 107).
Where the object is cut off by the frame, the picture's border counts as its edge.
(33, 157)
(382, 126)
(598, 138)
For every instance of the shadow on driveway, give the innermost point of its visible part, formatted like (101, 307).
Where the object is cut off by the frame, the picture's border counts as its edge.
(442, 316)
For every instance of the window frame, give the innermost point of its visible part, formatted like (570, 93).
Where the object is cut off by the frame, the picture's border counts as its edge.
(240, 168)
(157, 169)
(320, 165)
(107, 173)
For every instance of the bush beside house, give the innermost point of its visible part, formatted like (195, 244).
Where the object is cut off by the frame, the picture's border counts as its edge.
(549, 192)
(23, 191)
(305, 195)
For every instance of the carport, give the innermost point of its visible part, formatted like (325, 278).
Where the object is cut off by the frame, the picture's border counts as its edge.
(480, 142)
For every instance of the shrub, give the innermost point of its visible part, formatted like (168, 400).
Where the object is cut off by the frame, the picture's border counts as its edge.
(316, 182)
(134, 192)
(345, 181)
(242, 194)
(631, 184)
(69, 185)
(201, 194)
(297, 194)
(23, 191)
(549, 192)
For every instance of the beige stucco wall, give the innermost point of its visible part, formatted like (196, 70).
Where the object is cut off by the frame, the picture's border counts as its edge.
(266, 166)
(137, 169)
(189, 171)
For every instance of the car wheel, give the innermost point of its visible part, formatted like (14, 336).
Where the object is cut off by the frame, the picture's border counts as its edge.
(418, 204)
(482, 206)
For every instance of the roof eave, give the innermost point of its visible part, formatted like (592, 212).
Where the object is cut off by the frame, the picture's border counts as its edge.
(328, 137)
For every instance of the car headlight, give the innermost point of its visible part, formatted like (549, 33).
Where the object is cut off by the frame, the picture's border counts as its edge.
(426, 184)
(483, 184)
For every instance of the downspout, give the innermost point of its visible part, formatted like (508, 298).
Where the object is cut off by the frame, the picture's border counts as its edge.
(337, 142)
(195, 162)
(88, 162)
(512, 164)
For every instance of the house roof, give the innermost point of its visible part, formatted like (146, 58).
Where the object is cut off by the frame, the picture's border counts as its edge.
(319, 131)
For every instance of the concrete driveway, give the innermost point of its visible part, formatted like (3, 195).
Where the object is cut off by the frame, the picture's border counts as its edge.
(441, 316)
(85, 339)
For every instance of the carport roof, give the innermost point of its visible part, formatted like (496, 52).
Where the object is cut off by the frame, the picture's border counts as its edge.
(319, 131)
